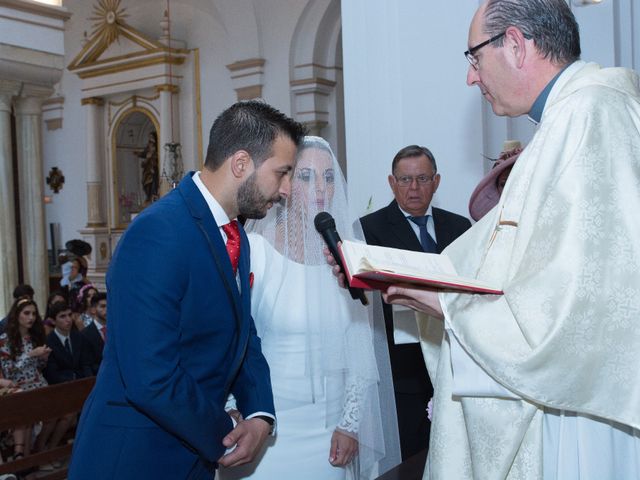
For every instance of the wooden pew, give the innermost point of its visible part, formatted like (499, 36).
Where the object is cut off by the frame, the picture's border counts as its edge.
(27, 408)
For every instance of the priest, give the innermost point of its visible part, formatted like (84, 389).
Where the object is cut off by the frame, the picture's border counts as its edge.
(542, 382)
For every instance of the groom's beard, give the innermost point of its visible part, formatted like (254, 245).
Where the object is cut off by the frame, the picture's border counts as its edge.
(251, 202)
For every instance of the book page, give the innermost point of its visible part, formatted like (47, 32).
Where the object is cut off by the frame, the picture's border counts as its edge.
(365, 258)
(373, 267)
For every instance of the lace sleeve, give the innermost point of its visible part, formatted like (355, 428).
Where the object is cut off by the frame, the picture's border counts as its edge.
(350, 420)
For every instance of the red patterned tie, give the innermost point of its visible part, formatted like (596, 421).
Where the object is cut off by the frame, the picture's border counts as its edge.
(233, 243)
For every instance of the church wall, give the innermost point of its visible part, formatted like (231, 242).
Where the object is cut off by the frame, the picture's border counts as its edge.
(405, 83)
(404, 77)
(224, 32)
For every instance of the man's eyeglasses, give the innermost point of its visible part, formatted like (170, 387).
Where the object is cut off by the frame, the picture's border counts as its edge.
(407, 180)
(470, 54)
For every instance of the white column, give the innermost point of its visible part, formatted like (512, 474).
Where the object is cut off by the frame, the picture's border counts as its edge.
(165, 134)
(31, 183)
(8, 247)
(95, 186)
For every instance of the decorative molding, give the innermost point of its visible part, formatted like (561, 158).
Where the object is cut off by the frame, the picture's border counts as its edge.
(92, 101)
(53, 124)
(51, 11)
(166, 87)
(133, 99)
(312, 81)
(246, 76)
(132, 81)
(311, 101)
(41, 92)
(9, 87)
(109, 25)
(163, 59)
(315, 126)
(108, 29)
(169, 52)
(52, 112)
(6, 102)
(249, 93)
(246, 64)
(27, 65)
(132, 104)
(317, 65)
(31, 22)
(103, 251)
(53, 101)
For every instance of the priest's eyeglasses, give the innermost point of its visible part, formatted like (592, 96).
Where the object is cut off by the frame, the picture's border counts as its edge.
(406, 180)
(470, 54)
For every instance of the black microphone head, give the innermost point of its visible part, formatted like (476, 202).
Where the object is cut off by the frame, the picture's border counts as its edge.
(324, 221)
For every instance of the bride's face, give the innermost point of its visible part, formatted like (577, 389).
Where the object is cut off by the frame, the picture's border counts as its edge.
(313, 180)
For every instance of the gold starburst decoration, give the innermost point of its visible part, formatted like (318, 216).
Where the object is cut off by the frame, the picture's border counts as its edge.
(108, 16)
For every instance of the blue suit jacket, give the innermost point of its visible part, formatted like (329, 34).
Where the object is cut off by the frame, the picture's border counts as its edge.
(180, 338)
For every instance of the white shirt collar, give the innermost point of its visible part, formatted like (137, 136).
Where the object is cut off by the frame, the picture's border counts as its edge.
(219, 215)
(428, 212)
(98, 325)
(61, 336)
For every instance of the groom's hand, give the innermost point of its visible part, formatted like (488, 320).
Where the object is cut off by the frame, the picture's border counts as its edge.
(248, 437)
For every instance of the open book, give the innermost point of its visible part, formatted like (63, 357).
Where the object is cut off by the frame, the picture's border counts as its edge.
(375, 268)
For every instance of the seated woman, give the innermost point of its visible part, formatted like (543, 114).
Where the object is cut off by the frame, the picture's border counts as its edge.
(317, 340)
(23, 356)
(83, 311)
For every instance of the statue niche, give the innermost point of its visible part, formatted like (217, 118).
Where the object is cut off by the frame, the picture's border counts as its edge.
(149, 165)
(137, 165)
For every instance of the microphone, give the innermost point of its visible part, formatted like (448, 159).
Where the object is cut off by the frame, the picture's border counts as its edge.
(326, 226)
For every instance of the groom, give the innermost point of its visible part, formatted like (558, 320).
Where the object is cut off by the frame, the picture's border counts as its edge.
(181, 336)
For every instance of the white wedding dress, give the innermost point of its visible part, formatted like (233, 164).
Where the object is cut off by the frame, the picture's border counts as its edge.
(305, 419)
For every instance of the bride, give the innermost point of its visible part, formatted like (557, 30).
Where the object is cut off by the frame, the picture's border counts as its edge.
(319, 343)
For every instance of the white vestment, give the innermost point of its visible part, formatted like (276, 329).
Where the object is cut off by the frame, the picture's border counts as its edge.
(533, 374)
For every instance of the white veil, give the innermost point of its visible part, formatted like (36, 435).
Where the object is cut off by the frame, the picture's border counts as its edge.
(346, 361)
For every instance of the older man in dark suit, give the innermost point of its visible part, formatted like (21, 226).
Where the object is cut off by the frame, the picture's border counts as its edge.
(411, 223)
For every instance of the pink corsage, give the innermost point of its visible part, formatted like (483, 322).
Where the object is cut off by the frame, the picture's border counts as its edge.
(430, 409)
(250, 279)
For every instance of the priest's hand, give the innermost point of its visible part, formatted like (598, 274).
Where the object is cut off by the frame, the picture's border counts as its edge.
(343, 449)
(422, 300)
(247, 437)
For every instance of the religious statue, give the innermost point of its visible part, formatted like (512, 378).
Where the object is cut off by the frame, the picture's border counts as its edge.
(149, 165)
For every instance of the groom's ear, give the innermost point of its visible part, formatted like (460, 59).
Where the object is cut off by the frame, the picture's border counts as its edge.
(240, 163)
